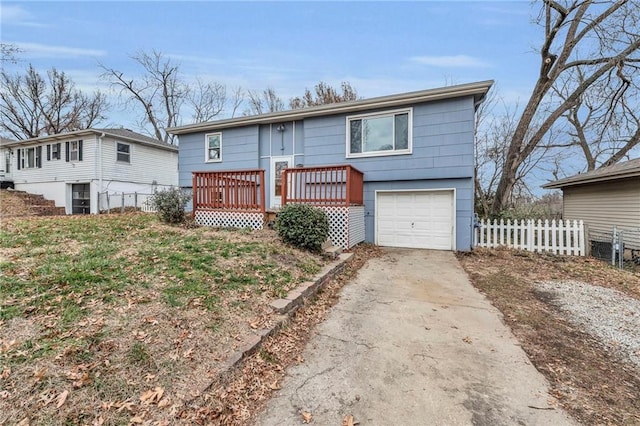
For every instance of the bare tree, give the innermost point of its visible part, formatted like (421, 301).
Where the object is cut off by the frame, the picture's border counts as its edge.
(324, 94)
(207, 100)
(159, 91)
(598, 39)
(493, 133)
(263, 102)
(32, 105)
(237, 97)
(604, 131)
(8, 52)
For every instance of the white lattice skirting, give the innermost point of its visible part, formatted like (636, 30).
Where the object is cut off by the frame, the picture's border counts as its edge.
(346, 225)
(229, 219)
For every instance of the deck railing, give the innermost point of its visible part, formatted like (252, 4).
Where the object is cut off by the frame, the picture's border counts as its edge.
(323, 186)
(237, 190)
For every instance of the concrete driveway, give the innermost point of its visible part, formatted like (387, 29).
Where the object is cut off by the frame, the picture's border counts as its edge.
(411, 342)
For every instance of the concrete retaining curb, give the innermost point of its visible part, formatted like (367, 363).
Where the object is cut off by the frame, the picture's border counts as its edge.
(286, 308)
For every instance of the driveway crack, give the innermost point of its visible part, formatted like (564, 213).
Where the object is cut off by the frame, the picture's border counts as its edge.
(366, 345)
(303, 384)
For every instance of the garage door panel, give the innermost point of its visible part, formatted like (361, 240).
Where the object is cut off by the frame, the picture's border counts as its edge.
(415, 219)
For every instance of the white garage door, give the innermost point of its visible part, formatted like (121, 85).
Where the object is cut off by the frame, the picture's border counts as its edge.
(420, 219)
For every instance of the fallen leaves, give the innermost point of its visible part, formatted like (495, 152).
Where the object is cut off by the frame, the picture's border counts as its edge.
(306, 417)
(62, 398)
(152, 396)
(89, 359)
(586, 380)
(349, 421)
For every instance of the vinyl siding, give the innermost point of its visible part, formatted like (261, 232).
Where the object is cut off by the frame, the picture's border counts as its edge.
(604, 205)
(58, 170)
(54, 179)
(147, 164)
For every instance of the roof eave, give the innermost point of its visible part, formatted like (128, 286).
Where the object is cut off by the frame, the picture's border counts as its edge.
(589, 180)
(86, 132)
(478, 90)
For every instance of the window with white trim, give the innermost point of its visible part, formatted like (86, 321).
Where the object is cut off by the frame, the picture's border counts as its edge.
(387, 133)
(30, 158)
(73, 151)
(54, 151)
(123, 152)
(213, 147)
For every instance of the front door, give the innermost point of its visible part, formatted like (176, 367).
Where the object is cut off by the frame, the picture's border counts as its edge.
(81, 198)
(278, 164)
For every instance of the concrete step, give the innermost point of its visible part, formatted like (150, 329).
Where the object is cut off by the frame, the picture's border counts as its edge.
(332, 251)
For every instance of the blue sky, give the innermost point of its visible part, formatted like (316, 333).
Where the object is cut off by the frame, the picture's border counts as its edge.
(380, 47)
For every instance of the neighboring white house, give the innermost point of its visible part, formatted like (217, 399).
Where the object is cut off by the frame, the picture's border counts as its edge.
(77, 169)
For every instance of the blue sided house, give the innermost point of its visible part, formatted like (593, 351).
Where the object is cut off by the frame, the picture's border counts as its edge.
(394, 170)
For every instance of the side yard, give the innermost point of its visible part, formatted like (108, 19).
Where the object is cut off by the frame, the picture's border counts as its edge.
(118, 319)
(578, 319)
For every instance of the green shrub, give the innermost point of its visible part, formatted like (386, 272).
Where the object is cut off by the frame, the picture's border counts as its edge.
(303, 226)
(170, 204)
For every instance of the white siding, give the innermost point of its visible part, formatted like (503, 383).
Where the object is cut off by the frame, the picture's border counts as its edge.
(150, 168)
(148, 164)
(57, 170)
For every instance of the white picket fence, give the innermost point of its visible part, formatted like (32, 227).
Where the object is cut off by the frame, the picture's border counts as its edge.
(559, 237)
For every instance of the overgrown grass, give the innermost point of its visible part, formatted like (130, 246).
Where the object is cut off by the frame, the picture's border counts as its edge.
(110, 306)
(62, 264)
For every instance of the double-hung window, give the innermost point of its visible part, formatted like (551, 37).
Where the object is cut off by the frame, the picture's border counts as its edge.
(387, 133)
(213, 147)
(123, 152)
(30, 158)
(53, 151)
(73, 151)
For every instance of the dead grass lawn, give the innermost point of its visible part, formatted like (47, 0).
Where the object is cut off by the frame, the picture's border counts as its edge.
(118, 319)
(588, 381)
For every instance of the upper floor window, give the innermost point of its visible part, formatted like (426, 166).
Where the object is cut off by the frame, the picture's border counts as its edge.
(54, 151)
(30, 158)
(123, 152)
(74, 151)
(386, 133)
(213, 147)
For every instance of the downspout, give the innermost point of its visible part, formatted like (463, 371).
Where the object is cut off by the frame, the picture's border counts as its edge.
(100, 167)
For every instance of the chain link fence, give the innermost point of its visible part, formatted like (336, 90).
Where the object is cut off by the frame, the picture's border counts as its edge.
(114, 202)
(619, 246)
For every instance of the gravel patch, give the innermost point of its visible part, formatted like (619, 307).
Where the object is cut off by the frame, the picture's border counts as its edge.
(609, 315)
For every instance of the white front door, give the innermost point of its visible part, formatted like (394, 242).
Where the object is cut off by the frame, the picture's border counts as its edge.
(278, 164)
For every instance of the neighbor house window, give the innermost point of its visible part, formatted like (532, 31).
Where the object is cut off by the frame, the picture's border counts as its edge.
(123, 152)
(30, 158)
(213, 147)
(53, 151)
(379, 134)
(74, 151)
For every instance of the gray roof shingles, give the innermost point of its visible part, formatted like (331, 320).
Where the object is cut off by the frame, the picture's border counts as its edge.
(622, 170)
